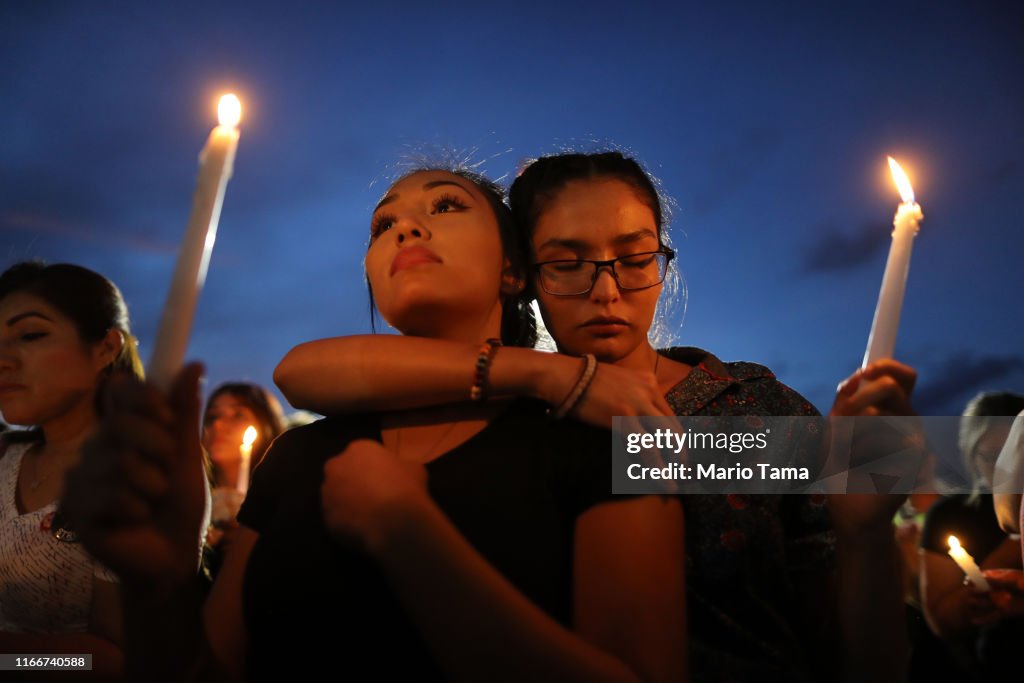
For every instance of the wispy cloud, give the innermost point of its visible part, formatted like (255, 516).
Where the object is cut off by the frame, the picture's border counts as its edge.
(40, 224)
(1000, 173)
(950, 382)
(837, 251)
(735, 165)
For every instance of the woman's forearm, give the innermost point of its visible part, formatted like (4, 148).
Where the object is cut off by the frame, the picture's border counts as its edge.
(390, 372)
(478, 626)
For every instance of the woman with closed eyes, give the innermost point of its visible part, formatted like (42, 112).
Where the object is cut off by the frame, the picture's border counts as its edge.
(63, 331)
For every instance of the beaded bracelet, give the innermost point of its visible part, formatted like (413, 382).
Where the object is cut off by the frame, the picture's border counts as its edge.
(580, 388)
(478, 390)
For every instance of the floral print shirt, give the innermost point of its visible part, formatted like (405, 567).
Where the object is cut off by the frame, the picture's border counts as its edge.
(748, 556)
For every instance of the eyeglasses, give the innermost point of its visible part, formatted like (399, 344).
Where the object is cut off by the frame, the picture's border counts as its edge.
(571, 277)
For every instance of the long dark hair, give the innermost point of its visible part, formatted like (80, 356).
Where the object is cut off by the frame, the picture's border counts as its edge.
(543, 178)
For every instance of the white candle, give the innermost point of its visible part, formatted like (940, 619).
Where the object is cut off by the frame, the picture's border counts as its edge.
(242, 485)
(967, 564)
(882, 340)
(216, 162)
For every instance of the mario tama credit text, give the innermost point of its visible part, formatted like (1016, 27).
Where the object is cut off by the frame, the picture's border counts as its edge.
(682, 440)
(766, 455)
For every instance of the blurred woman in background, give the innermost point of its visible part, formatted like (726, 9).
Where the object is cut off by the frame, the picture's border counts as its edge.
(230, 411)
(63, 330)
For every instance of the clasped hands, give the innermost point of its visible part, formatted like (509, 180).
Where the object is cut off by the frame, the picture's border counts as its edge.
(368, 494)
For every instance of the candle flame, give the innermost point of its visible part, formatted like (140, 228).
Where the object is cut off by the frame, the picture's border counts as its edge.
(250, 436)
(229, 110)
(954, 543)
(902, 182)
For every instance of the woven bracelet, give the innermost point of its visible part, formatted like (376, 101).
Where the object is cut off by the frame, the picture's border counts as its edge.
(580, 388)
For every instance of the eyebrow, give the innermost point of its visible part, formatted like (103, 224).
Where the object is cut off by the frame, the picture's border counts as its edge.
(580, 245)
(27, 314)
(426, 186)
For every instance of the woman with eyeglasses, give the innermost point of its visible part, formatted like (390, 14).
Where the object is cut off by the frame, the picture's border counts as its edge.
(761, 570)
(63, 330)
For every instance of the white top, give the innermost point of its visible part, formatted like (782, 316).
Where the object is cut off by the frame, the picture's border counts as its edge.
(45, 584)
(1009, 474)
(1008, 478)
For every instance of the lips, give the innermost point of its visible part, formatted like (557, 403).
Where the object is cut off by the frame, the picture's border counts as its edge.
(8, 387)
(603, 320)
(605, 326)
(412, 256)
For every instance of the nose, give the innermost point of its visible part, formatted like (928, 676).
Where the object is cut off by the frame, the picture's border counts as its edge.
(409, 228)
(605, 286)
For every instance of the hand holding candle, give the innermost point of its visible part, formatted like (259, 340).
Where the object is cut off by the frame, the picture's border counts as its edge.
(243, 466)
(882, 340)
(967, 564)
(216, 162)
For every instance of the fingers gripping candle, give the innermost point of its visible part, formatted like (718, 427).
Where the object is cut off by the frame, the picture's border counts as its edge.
(967, 564)
(216, 162)
(882, 340)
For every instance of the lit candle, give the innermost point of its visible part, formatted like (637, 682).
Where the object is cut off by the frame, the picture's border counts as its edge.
(243, 466)
(966, 563)
(882, 340)
(216, 162)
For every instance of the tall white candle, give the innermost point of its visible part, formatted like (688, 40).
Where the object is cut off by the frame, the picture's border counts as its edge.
(216, 162)
(242, 485)
(967, 564)
(882, 340)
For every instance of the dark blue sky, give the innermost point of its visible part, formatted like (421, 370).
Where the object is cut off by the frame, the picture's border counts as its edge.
(769, 124)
